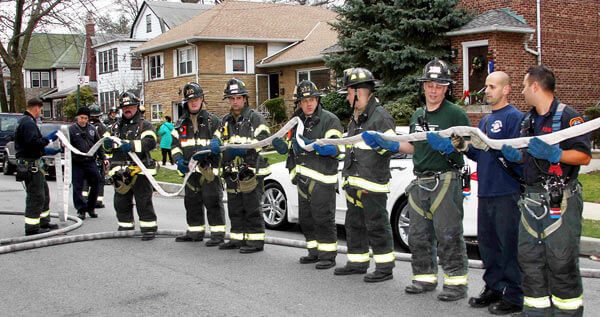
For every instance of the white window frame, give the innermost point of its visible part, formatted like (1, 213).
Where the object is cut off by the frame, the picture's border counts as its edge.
(191, 60)
(161, 67)
(39, 80)
(153, 111)
(248, 59)
(148, 23)
(309, 70)
(466, 62)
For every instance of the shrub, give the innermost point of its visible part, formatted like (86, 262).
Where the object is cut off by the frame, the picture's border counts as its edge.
(276, 108)
(591, 114)
(86, 98)
(401, 112)
(335, 103)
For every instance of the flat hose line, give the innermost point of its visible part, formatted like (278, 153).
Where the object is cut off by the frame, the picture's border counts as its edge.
(405, 257)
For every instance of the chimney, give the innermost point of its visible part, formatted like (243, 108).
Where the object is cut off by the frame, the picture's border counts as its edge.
(90, 69)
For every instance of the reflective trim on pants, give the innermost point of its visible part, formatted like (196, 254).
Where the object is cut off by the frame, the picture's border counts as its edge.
(195, 228)
(455, 280)
(255, 236)
(147, 224)
(45, 214)
(236, 236)
(217, 228)
(327, 247)
(100, 198)
(364, 257)
(537, 302)
(126, 224)
(32, 221)
(426, 278)
(384, 258)
(568, 303)
(357, 202)
(311, 244)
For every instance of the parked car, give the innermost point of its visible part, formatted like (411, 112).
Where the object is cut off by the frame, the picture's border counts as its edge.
(8, 125)
(280, 200)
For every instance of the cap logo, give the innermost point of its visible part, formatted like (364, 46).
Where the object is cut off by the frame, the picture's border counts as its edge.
(362, 75)
(435, 69)
(232, 87)
(190, 91)
(433, 75)
(353, 77)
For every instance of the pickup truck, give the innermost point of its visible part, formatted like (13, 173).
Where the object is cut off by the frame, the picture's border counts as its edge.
(8, 124)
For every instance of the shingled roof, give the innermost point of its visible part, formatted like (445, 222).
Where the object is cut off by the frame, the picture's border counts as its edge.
(48, 51)
(171, 14)
(498, 20)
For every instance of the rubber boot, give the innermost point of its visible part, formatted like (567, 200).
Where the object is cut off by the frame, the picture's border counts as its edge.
(214, 241)
(190, 237)
(418, 287)
(92, 214)
(38, 231)
(250, 249)
(148, 235)
(50, 226)
(325, 264)
(229, 245)
(308, 259)
(348, 270)
(378, 276)
(81, 214)
(454, 293)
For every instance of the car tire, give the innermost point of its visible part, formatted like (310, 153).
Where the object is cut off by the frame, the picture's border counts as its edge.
(273, 205)
(8, 169)
(400, 222)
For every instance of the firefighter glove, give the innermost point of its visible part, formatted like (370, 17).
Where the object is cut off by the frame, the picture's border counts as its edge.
(325, 150)
(215, 146)
(306, 140)
(125, 147)
(544, 151)
(51, 151)
(108, 143)
(52, 136)
(439, 143)
(478, 143)
(182, 166)
(296, 146)
(458, 142)
(375, 140)
(200, 156)
(279, 145)
(510, 153)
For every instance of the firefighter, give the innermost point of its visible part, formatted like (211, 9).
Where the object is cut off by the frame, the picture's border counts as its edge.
(193, 132)
(315, 174)
(112, 117)
(102, 163)
(366, 176)
(435, 200)
(552, 202)
(137, 136)
(243, 170)
(30, 146)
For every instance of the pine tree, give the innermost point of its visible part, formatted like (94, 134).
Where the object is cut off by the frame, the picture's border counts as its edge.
(394, 39)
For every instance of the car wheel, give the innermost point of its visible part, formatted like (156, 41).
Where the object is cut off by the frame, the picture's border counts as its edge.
(8, 169)
(274, 206)
(400, 223)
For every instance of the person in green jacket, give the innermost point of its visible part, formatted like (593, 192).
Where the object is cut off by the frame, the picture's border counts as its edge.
(165, 140)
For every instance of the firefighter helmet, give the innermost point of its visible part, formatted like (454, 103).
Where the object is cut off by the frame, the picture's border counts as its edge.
(438, 72)
(354, 77)
(127, 99)
(192, 91)
(235, 87)
(95, 110)
(113, 110)
(305, 89)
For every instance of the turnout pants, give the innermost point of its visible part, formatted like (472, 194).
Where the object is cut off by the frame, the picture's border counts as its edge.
(317, 217)
(209, 195)
(37, 202)
(498, 237)
(142, 192)
(435, 207)
(88, 172)
(549, 253)
(368, 224)
(247, 223)
(86, 187)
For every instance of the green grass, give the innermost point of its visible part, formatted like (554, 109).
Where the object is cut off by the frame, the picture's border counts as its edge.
(591, 228)
(591, 190)
(275, 157)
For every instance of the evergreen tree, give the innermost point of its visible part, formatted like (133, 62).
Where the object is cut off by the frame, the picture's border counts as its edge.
(394, 39)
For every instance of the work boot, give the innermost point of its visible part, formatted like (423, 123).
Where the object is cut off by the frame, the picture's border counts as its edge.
(190, 237)
(38, 231)
(99, 205)
(487, 297)
(250, 249)
(308, 259)
(450, 294)
(148, 235)
(214, 241)
(378, 276)
(50, 226)
(81, 214)
(504, 308)
(125, 228)
(92, 214)
(348, 270)
(418, 287)
(230, 245)
(325, 264)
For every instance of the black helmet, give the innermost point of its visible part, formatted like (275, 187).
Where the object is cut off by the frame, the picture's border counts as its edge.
(192, 91)
(438, 72)
(95, 110)
(127, 99)
(358, 77)
(113, 110)
(305, 89)
(235, 87)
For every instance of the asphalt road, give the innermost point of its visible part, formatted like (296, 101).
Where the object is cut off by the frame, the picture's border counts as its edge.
(127, 276)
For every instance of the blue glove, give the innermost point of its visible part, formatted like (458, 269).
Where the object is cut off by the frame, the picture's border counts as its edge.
(439, 143)
(307, 141)
(199, 157)
(374, 140)
(108, 143)
(125, 147)
(182, 166)
(510, 153)
(544, 151)
(52, 136)
(51, 151)
(279, 145)
(325, 150)
(215, 146)
(235, 152)
(296, 146)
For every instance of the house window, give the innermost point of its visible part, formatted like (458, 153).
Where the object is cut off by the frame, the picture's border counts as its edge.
(108, 61)
(136, 60)
(185, 61)
(108, 99)
(155, 67)
(47, 110)
(35, 79)
(54, 78)
(40, 80)
(318, 76)
(238, 58)
(156, 112)
(45, 79)
(148, 23)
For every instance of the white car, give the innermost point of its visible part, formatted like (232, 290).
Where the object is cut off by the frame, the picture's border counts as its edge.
(280, 199)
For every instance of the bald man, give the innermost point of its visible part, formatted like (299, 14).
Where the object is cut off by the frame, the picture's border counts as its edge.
(498, 213)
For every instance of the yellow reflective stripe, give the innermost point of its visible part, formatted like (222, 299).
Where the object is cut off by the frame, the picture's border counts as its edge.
(255, 236)
(327, 179)
(100, 198)
(176, 150)
(311, 244)
(384, 258)
(568, 303)
(147, 224)
(126, 224)
(261, 128)
(236, 139)
(364, 257)
(426, 278)
(85, 194)
(537, 302)
(261, 171)
(45, 214)
(455, 280)
(327, 247)
(217, 228)
(217, 134)
(358, 203)
(293, 173)
(106, 134)
(236, 236)
(333, 132)
(152, 171)
(148, 133)
(175, 133)
(389, 132)
(195, 228)
(32, 221)
(370, 186)
(137, 146)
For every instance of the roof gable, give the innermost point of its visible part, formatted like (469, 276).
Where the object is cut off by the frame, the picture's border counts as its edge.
(503, 20)
(47, 51)
(170, 14)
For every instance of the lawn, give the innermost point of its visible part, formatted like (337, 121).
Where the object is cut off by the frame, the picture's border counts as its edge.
(591, 191)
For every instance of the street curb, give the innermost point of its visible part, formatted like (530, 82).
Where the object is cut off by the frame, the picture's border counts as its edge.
(589, 246)
(171, 187)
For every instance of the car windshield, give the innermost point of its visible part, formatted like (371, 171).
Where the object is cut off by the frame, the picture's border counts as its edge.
(8, 123)
(46, 128)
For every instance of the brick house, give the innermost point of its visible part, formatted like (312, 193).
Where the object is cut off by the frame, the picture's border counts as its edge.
(507, 30)
(269, 46)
